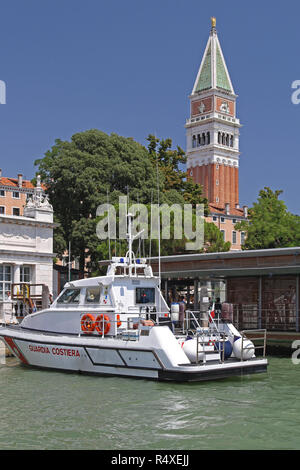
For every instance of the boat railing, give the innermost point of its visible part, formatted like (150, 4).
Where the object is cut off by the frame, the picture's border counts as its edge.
(247, 335)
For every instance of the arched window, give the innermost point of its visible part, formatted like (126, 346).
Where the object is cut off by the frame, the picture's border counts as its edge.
(219, 138)
(231, 141)
(208, 138)
(194, 141)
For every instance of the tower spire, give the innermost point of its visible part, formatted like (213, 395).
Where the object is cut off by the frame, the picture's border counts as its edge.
(213, 129)
(213, 72)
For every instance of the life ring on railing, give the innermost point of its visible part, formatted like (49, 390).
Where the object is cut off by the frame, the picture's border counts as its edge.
(119, 323)
(88, 323)
(102, 321)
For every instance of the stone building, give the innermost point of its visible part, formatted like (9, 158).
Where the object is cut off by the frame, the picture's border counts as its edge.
(26, 248)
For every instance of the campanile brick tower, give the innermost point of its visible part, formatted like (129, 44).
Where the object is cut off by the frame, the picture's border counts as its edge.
(213, 130)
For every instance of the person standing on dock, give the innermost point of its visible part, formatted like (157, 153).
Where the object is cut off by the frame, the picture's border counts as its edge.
(181, 312)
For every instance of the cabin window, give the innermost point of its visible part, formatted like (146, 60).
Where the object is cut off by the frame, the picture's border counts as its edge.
(92, 295)
(69, 296)
(145, 295)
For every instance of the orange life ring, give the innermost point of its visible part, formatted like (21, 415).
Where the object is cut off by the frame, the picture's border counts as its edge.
(119, 323)
(88, 323)
(100, 322)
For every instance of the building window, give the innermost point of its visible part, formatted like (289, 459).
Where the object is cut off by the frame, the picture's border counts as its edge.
(234, 221)
(234, 237)
(2, 193)
(223, 233)
(5, 281)
(222, 220)
(16, 211)
(16, 195)
(217, 166)
(2, 210)
(217, 199)
(217, 182)
(242, 238)
(215, 218)
(25, 274)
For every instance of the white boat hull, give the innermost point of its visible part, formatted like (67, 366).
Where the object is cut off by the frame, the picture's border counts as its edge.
(104, 356)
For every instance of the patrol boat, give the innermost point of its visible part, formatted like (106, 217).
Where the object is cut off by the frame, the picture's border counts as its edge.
(121, 325)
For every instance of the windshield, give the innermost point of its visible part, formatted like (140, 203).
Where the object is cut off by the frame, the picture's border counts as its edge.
(69, 296)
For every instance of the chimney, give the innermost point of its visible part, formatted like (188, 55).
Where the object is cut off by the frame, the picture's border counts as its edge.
(245, 208)
(227, 208)
(20, 180)
(237, 206)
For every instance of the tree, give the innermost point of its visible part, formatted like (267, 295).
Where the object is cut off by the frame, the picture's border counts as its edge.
(79, 174)
(269, 224)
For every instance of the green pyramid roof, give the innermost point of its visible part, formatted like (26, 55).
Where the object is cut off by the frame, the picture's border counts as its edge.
(213, 72)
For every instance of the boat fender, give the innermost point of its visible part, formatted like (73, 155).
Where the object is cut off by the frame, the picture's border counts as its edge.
(248, 349)
(88, 323)
(228, 348)
(100, 322)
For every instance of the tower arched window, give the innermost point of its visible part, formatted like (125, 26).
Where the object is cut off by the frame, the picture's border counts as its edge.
(227, 140)
(208, 138)
(223, 138)
(231, 141)
(203, 138)
(219, 138)
(194, 142)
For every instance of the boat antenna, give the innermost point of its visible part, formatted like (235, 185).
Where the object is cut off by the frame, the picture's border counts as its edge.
(150, 240)
(69, 263)
(158, 223)
(109, 251)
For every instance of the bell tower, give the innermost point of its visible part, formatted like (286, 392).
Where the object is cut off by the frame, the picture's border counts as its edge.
(212, 131)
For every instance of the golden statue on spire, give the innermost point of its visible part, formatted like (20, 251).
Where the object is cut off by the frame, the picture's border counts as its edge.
(213, 22)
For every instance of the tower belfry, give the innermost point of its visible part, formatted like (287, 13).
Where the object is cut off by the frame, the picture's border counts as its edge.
(213, 130)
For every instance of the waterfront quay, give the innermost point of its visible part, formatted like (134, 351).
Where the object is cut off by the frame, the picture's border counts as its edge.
(261, 287)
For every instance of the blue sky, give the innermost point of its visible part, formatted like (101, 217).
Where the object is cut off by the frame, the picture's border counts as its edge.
(129, 66)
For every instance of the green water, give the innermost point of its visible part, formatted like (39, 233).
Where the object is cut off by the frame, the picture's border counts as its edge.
(51, 410)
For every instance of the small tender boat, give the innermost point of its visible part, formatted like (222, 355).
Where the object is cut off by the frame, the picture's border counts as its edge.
(120, 324)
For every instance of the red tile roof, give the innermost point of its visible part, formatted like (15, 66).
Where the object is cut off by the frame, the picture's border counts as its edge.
(13, 183)
(217, 209)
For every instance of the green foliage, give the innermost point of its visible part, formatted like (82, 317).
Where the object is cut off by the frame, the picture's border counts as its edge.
(270, 224)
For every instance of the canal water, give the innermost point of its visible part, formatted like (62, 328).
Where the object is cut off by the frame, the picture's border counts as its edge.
(56, 410)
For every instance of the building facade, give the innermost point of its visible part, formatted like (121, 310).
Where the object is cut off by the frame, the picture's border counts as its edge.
(212, 140)
(26, 250)
(14, 193)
